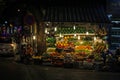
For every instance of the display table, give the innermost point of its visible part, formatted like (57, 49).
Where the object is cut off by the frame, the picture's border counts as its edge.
(47, 61)
(37, 59)
(98, 65)
(78, 64)
(88, 65)
(68, 65)
(57, 61)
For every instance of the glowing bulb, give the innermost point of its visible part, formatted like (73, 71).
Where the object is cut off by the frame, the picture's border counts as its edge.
(46, 31)
(94, 38)
(34, 37)
(79, 37)
(18, 10)
(6, 22)
(74, 34)
(87, 33)
(60, 35)
(74, 27)
(55, 28)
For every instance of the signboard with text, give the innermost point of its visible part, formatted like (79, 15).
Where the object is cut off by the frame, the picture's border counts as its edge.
(29, 19)
(113, 6)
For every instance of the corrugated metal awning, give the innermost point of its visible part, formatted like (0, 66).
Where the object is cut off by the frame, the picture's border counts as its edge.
(76, 14)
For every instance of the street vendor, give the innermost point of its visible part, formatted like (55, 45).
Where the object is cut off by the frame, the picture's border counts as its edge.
(103, 55)
(117, 53)
(29, 50)
(29, 53)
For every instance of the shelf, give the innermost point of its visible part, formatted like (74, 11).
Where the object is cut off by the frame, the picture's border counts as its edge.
(115, 35)
(78, 34)
(115, 43)
(116, 28)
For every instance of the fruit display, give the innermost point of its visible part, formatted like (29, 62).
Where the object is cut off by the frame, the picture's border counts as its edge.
(69, 30)
(56, 59)
(79, 46)
(51, 49)
(62, 44)
(99, 47)
(50, 41)
(82, 47)
(79, 42)
(46, 57)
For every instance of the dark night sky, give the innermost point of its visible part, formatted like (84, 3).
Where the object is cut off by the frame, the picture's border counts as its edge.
(12, 4)
(61, 2)
(74, 2)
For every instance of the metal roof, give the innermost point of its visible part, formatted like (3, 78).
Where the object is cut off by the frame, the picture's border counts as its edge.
(76, 14)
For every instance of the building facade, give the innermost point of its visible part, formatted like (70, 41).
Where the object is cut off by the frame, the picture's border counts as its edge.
(35, 18)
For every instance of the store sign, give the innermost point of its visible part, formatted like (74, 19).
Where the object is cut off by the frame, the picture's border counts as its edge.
(29, 19)
(113, 6)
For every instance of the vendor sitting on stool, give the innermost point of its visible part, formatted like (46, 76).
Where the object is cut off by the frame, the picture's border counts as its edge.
(29, 53)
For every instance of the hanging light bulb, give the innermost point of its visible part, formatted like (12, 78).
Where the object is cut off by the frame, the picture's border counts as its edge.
(18, 10)
(6, 22)
(34, 37)
(60, 35)
(79, 37)
(87, 33)
(55, 29)
(46, 30)
(74, 35)
(95, 38)
(74, 27)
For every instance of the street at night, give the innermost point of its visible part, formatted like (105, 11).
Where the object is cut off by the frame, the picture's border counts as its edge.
(60, 39)
(9, 69)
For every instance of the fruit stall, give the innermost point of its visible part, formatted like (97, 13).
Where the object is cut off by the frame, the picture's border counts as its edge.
(82, 41)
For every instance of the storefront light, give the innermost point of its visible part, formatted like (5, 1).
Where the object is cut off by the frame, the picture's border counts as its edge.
(6, 22)
(34, 37)
(46, 30)
(74, 27)
(60, 35)
(74, 35)
(95, 38)
(87, 33)
(18, 10)
(78, 37)
(11, 25)
(55, 29)
(47, 23)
